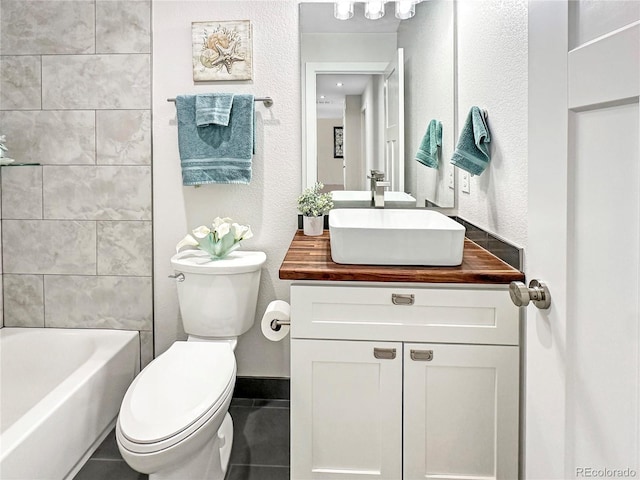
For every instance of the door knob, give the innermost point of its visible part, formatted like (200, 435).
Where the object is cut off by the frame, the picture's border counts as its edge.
(537, 292)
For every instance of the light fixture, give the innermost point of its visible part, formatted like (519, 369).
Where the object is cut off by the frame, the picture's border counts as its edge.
(405, 9)
(343, 9)
(374, 9)
(339, 84)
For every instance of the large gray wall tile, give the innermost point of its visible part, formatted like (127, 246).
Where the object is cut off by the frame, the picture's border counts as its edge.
(98, 302)
(22, 192)
(20, 83)
(124, 248)
(146, 348)
(97, 193)
(24, 299)
(47, 27)
(43, 246)
(123, 137)
(50, 137)
(96, 81)
(123, 26)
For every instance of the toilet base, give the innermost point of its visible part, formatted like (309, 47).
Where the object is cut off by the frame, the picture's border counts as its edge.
(210, 463)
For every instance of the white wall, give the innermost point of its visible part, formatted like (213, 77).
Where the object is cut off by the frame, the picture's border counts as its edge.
(355, 177)
(492, 74)
(329, 168)
(268, 204)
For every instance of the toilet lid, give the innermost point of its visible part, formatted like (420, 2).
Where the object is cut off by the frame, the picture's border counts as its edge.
(176, 390)
(198, 261)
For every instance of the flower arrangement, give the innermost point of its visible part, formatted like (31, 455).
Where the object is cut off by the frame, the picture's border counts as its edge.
(224, 238)
(312, 203)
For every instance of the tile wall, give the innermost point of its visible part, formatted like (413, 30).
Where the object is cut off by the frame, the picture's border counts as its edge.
(75, 97)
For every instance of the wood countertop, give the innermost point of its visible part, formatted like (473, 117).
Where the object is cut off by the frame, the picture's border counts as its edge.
(309, 258)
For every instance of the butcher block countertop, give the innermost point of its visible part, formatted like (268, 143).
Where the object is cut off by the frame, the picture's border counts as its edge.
(309, 258)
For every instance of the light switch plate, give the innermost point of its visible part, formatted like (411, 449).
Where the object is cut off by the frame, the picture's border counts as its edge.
(465, 181)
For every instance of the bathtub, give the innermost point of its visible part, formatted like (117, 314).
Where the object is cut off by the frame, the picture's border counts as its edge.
(61, 390)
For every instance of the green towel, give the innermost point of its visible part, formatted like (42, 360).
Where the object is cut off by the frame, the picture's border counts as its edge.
(213, 109)
(215, 153)
(472, 152)
(428, 151)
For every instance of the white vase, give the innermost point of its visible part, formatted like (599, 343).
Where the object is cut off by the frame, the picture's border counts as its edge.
(313, 226)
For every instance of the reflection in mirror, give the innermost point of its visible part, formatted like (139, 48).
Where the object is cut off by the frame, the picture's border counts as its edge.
(357, 53)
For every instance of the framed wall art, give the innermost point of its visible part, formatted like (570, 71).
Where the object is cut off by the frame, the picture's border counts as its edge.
(338, 140)
(222, 51)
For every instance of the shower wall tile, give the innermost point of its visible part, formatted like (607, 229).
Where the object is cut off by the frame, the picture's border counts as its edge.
(20, 83)
(123, 137)
(96, 82)
(97, 193)
(47, 27)
(124, 248)
(123, 26)
(50, 137)
(22, 192)
(24, 305)
(146, 348)
(98, 302)
(44, 246)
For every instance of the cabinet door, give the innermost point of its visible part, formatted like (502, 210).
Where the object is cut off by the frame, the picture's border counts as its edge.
(346, 410)
(460, 412)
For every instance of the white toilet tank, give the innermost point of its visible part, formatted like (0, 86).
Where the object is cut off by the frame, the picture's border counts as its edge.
(217, 297)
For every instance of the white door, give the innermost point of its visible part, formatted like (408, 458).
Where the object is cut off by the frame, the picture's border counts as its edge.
(346, 410)
(394, 122)
(582, 355)
(460, 412)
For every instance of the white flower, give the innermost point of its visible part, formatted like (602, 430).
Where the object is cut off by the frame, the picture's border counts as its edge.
(219, 221)
(222, 230)
(187, 241)
(201, 231)
(242, 232)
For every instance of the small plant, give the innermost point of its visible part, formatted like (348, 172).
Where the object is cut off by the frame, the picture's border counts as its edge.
(312, 203)
(218, 242)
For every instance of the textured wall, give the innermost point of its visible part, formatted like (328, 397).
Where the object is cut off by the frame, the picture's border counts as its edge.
(492, 74)
(75, 96)
(268, 203)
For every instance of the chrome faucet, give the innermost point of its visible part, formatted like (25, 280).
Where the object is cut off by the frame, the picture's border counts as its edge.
(377, 188)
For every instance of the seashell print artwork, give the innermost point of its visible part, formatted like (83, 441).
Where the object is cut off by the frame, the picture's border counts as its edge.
(222, 51)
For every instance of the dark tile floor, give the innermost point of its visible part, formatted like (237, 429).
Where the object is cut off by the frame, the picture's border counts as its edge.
(260, 446)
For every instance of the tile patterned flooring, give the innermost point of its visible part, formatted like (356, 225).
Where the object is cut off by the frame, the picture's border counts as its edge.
(260, 446)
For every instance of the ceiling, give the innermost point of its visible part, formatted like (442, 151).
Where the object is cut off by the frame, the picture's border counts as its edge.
(332, 105)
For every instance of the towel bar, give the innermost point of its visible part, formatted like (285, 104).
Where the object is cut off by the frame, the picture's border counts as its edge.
(268, 101)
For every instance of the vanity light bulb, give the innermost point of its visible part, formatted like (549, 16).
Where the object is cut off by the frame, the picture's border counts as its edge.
(374, 9)
(405, 9)
(343, 10)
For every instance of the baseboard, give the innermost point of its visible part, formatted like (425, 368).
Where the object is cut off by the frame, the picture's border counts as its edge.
(272, 388)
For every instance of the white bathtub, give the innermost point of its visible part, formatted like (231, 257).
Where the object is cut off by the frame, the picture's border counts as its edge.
(61, 390)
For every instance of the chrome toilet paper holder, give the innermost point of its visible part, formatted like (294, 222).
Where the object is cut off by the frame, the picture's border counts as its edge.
(276, 324)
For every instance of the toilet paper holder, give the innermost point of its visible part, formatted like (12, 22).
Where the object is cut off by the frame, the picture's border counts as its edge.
(276, 324)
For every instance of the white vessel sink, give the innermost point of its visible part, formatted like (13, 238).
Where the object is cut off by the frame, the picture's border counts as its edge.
(395, 237)
(362, 199)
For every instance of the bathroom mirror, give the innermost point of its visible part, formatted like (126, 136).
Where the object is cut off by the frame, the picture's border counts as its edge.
(363, 112)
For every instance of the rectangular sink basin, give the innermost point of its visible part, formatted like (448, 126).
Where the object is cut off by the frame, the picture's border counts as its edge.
(362, 199)
(395, 237)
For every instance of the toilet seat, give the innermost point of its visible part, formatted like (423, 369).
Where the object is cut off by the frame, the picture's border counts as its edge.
(175, 395)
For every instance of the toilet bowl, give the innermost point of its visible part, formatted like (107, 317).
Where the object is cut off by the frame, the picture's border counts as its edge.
(174, 421)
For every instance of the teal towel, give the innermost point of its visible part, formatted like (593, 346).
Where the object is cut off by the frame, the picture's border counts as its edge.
(215, 153)
(428, 151)
(213, 108)
(472, 152)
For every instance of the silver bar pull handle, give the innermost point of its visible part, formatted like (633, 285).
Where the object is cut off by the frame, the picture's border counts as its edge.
(384, 353)
(421, 355)
(402, 298)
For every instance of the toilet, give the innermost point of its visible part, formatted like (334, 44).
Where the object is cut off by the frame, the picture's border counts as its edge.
(174, 421)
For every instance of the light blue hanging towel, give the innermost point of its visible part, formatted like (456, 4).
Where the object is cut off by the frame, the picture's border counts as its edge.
(213, 108)
(216, 153)
(472, 152)
(427, 153)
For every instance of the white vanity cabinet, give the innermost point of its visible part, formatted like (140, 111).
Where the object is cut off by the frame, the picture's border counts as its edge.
(403, 383)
